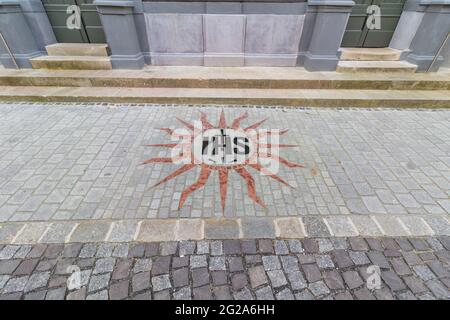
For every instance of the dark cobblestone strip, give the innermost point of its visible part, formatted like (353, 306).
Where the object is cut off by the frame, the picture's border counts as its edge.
(323, 268)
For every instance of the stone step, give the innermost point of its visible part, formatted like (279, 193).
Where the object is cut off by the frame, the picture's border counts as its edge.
(206, 77)
(72, 62)
(270, 97)
(370, 54)
(78, 49)
(376, 66)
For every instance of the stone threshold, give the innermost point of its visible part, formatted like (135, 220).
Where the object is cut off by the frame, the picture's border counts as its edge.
(333, 98)
(159, 230)
(225, 77)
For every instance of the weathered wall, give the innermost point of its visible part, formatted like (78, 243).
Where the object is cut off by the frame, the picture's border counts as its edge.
(224, 33)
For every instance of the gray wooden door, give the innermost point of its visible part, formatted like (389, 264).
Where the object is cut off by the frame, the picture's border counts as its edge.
(91, 30)
(358, 35)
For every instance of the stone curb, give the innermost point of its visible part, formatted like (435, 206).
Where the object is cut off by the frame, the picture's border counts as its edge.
(158, 230)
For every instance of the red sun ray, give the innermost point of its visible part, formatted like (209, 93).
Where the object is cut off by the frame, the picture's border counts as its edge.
(205, 123)
(157, 160)
(222, 121)
(250, 185)
(238, 120)
(283, 161)
(223, 183)
(163, 145)
(177, 172)
(167, 130)
(255, 125)
(266, 172)
(202, 179)
(186, 124)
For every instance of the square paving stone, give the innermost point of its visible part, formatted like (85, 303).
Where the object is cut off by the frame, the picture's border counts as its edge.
(161, 282)
(31, 233)
(222, 293)
(341, 226)
(190, 229)
(312, 272)
(221, 229)
(254, 228)
(391, 226)
(238, 281)
(334, 280)
(352, 279)
(366, 226)
(198, 261)
(58, 232)
(290, 228)
(393, 281)
(296, 280)
(342, 258)
(161, 265)
(200, 277)
(248, 246)
(141, 265)
(9, 231)
(277, 278)
(99, 282)
(122, 269)
(257, 276)
(180, 277)
(315, 227)
(182, 294)
(217, 263)
(202, 293)
(319, 288)
(231, 247)
(265, 246)
(285, 294)
(219, 278)
(140, 281)
(90, 232)
(359, 258)
(157, 230)
(264, 293)
(119, 290)
(104, 265)
(123, 231)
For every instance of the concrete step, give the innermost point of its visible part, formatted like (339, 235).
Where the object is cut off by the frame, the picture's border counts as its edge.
(72, 62)
(370, 54)
(376, 66)
(78, 49)
(270, 97)
(239, 77)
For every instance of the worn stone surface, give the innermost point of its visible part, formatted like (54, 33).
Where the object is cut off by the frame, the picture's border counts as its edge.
(325, 268)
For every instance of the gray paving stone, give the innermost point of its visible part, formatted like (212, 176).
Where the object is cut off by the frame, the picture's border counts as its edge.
(221, 229)
(98, 282)
(90, 232)
(104, 265)
(285, 294)
(142, 265)
(265, 293)
(198, 261)
(15, 284)
(161, 282)
(140, 281)
(258, 228)
(182, 294)
(277, 278)
(271, 263)
(318, 288)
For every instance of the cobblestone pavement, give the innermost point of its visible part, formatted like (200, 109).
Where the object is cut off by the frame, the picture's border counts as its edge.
(336, 268)
(78, 162)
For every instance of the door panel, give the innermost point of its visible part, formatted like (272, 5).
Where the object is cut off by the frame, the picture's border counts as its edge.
(355, 32)
(358, 35)
(91, 30)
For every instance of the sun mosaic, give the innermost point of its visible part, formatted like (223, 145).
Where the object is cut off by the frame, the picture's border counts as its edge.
(224, 148)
